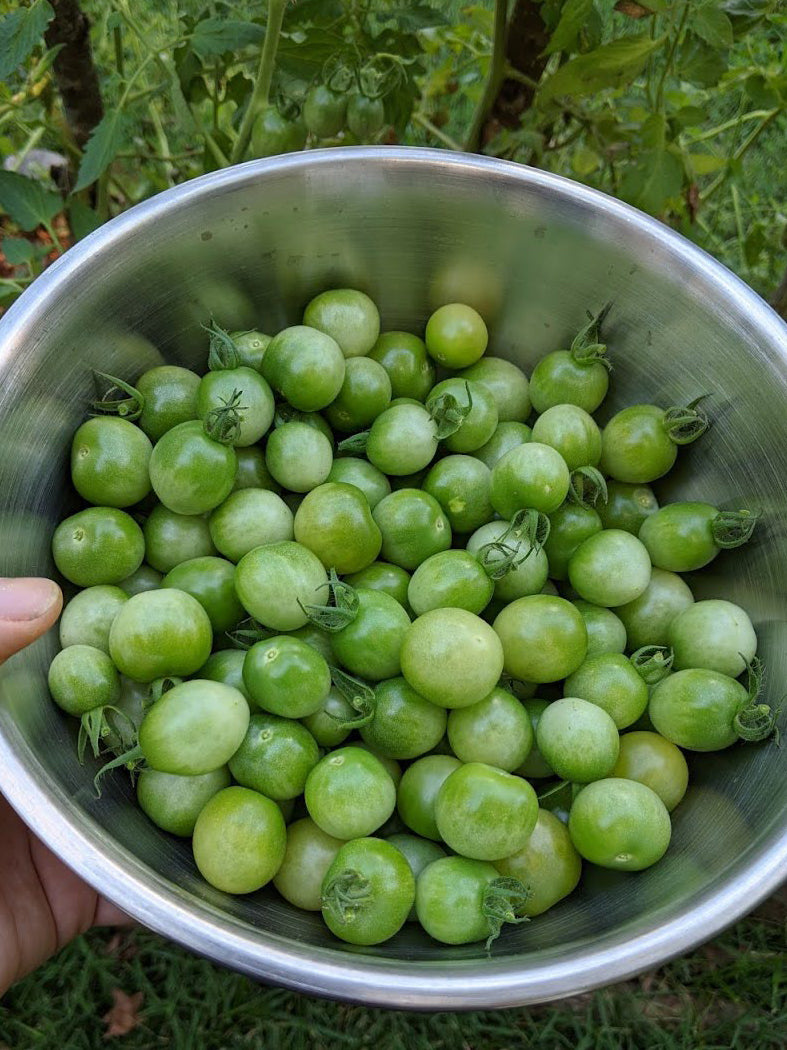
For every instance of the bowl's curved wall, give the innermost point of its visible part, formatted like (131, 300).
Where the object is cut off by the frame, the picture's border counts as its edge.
(414, 228)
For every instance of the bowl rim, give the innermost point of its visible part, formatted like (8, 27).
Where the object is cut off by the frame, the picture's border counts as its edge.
(335, 972)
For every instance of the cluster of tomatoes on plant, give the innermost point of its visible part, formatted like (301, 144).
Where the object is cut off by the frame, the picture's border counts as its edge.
(320, 560)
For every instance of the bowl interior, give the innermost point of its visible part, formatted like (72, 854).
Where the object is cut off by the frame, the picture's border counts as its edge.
(414, 229)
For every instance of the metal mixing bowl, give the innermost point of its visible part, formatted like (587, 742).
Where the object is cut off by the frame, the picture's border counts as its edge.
(414, 228)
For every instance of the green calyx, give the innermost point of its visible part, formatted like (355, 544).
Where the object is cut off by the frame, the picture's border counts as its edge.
(587, 486)
(685, 424)
(246, 633)
(733, 528)
(754, 721)
(223, 352)
(527, 533)
(653, 662)
(132, 760)
(587, 347)
(449, 413)
(94, 729)
(354, 443)
(346, 894)
(503, 902)
(360, 696)
(340, 609)
(111, 403)
(223, 424)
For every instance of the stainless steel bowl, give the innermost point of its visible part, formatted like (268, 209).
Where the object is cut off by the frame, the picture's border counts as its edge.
(415, 228)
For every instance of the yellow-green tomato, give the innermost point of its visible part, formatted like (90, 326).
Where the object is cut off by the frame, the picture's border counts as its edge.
(578, 739)
(496, 730)
(160, 633)
(548, 864)
(309, 853)
(655, 762)
(173, 802)
(335, 522)
(239, 840)
(484, 813)
(276, 580)
(544, 638)
(619, 824)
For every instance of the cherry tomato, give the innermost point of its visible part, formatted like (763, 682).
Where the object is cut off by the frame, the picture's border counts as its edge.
(286, 676)
(452, 902)
(309, 854)
(606, 631)
(365, 393)
(647, 619)
(87, 618)
(696, 709)
(651, 760)
(306, 366)
(370, 645)
(530, 475)
(81, 678)
(381, 576)
(245, 388)
(402, 440)
(171, 538)
(142, 579)
(548, 864)
(109, 462)
(610, 568)
(349, 794)
(450, 579)
(460, 484)
(570, 526)
(273, 134)
(507, 384)
(335, 522)
(365, 116)
(559, 378)
(274, 581)
(636, 445)
(496, 731)
(478, 425)
(173, 802)
(190, 472)
(680, 536)
(298, 456)
(404, 724)
(419, 854)
(239, 840)
(249, 518)
(413, 527)
(627, 506)
(404, 358)
(365, 476)
(456, 335)
(367, 892)
(160, 634)
(251, 346)
(324, 111)
(619, 824)
(578, 739)
(544, 639)
(611, 681)
(212, 582)
(507, 435)
(572, 432)
(226, 665)
(527, 569)
(170, 395)
(714, 634)
(346, 315)
(275, 757)
(417, 792)
(99, 545)
(484, 813)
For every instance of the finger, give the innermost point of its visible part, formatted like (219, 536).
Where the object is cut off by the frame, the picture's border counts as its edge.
(108, 914)
(28, 607)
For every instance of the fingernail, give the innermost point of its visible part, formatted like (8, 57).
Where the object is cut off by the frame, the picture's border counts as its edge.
(26, 598)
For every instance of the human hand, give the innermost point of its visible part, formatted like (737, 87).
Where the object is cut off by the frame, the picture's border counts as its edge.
(43, 904)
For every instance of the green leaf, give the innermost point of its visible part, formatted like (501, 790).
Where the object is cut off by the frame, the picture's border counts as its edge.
(573, 17)
(104, 142)
(610, 65)
(699, 63)
(20, 31)
(413, 17)
(303, 54)
(17, 250)
(585, 161)
(689, 117)
(82, 219)
(653, 132)
(760, 91)
(214, 36)
(313, 12)
(649, 183)
(705, 163)
(745, 15)
(712, 25)
(26, 201)
(756, 241)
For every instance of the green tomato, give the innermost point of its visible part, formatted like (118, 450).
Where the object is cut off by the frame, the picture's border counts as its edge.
(559, 379)
(335, 522)
(370, 645)
(367, 892)
(456, 335)
(324, 111)
(251, 346)
(109, 462)
(528, 571)
(275, 757)
(548, 864)
(714, 634)
(245, 388)
(451, 657)
(170, 395)
(87, 618)
(272, 134)
(306, 366)
(450, 579)
(610, 568)
(507, 384)
(651, 760)
(402, 440)
(611, 681)
(478, 425)
(570, 526)
(413, 527)
(454, 899)
(419, 854)
(696, 709)
(404, 358)
(365, 116)
(298, 456)
(679, 537)
(544, 638)
(145, 578)
(173, 802)
(190, 472)
(365, 476)
(530, 475)
(99, 545)
(619, 824)
(380, 576)
(647, 619)
(347, 316)
(418, 789)
(484, 813)
(636, 446)
(160, 634)
(349, 793)
(212, 582)
(627, 506)
(390, 765)
(274, 581)
(239, 840)
(535, 765)
(226, 665)
(365, 393)
(496, 731)
(327, 725)
(194, 728)
(460, 484)
(309, 854)
(82, 678)
(606, 631)
(507, 435)
(404, 724)
(171, 538)
(578, 739)
(286, 676)
(572, 432)
(249, 518)
(287, 414)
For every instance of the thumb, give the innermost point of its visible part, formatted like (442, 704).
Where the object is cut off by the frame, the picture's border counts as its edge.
(28, 607)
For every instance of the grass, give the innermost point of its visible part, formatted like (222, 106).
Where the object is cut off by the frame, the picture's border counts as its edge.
(728, 994)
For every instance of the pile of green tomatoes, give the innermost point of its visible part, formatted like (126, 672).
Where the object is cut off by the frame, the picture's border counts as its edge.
(379, 621)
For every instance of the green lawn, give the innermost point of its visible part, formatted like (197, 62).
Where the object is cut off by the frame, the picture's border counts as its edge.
(729, 994)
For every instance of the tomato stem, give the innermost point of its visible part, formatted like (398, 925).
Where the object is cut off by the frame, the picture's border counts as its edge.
(503, 901)
(131, 759)
(110, 404)
(247, 632)
(347, 893)
(223, 423)
(448, 413)
(587, 348)
(341, 608)
(652, 662)
(354, 443)
(587, 486)
(223, 351)
(262, 84)
(732, 528)
(685, 424)
(360, 696)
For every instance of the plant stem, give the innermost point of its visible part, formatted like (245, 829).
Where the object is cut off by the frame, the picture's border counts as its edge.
(497, 69)
(736, 208)
(427, 125)
(754, 114)
(739, 152)
(671, 55)
(262, 85)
